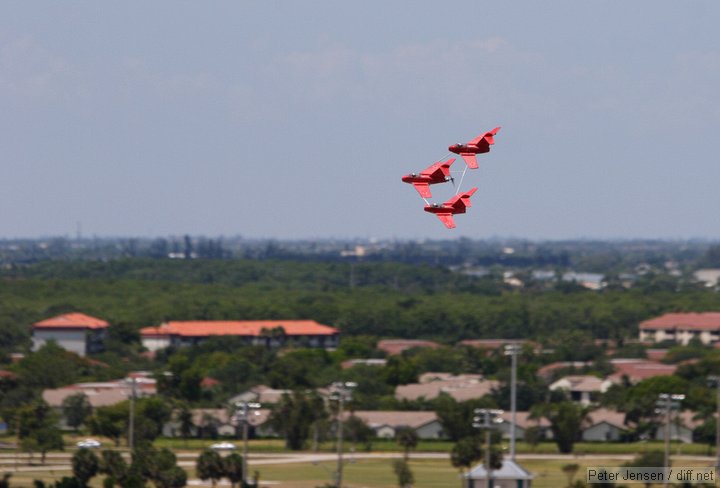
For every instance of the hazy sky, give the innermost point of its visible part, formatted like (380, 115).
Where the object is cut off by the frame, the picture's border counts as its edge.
(296, 119)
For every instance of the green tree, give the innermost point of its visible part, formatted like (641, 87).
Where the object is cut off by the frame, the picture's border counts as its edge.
(533, 436)
(110, 421)
(38, 430)
(648, 459)
(357, 431)
(114, 466)
(85, 465)
(407, 438)
(5, 481)
(464, 454)
(185, 419)
(566, 420)
(294, 415)
(160, 466)
(76, 408)
(405, 477)
(233, 468)
(209, 466)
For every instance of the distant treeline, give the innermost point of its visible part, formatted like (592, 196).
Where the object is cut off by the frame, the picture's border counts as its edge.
(384, 300)
(581, 255)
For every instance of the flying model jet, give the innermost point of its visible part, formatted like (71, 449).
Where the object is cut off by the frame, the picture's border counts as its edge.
(456, 205)
(481, 144)
(437, 173)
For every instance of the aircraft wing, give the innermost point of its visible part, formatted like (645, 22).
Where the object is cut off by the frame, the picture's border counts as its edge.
(447, 219)
(423, 189)
(430, 170)
(461, 201)
(488, 138)
(470, 160)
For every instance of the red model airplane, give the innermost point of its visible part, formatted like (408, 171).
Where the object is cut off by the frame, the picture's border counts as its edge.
(481, 144)
(456, 205)
(437, 173)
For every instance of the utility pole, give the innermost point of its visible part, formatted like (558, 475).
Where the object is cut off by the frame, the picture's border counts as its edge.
(340, 392)
(513, 350)
(242, 414)
(487, 419)
(667, 402)
(131, 423)
(715, 380)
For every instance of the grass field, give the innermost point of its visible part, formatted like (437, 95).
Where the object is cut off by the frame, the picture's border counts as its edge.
(436, 473)
(375, 473)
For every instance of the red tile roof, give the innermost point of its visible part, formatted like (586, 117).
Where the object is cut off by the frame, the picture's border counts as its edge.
(397, 346)
(204, 328)
(73, 320)
(687, 321)
(640, 369)
(492, 343)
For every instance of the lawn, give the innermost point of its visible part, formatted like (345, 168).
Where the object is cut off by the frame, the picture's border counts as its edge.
(376, 473)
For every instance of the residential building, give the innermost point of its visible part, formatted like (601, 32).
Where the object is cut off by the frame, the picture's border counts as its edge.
(262, 394)
(219, 422)
(489, 346)
(522, 423)
(635, 370)
(604, 425)
(350, 363)
(271, 333)
(385, 424)
(581, 388)
(682, 328)
(76, 332)
(548, 371)
(461, 388)
(397, 346)
(101, 394)
(709, 277)
(681, 426)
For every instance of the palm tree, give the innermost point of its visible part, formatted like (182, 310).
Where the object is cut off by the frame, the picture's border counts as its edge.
(407, 438)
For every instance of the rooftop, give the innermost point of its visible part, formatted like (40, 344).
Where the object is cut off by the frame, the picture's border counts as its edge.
(687, 321)
(204, 328)
(397, 346)
(73, 320)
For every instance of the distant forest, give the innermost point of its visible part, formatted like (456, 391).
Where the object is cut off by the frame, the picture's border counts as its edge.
(381, 299)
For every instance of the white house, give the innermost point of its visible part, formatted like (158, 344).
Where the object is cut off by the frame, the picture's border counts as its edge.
(581, 387)
(76, 332)
(385, 424)
(682, 328)
(604, 425)
(271, 333)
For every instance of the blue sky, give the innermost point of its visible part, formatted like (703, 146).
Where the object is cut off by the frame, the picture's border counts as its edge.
(291, 119)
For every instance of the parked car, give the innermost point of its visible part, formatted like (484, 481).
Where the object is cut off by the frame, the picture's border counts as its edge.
(89, 444)
(223, 446)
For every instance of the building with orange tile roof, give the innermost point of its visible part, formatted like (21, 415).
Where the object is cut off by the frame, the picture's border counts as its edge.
(76, 332)
(397, 346)
(682, 328)
(636, 370)
(271, 333)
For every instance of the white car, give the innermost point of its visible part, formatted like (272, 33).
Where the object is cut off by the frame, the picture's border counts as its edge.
(223, 446)
(89, 444)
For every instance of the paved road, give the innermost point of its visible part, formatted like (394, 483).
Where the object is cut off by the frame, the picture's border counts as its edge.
(61, 461)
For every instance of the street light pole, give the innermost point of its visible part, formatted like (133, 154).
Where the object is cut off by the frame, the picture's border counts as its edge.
(242, 414)
(513, 350)
(131, 422)
(487, 419)
(716, 381)
(342, 392)
(666, 403)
